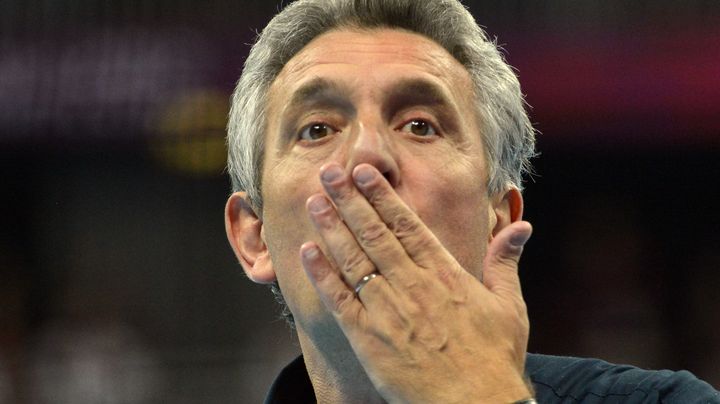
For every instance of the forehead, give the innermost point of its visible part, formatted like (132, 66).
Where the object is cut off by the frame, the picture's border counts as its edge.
(372, 54)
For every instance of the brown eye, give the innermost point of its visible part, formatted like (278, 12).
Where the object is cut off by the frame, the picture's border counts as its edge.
(419, 127)
(316, 131)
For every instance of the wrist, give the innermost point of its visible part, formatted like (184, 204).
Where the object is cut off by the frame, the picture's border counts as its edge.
(515, 393)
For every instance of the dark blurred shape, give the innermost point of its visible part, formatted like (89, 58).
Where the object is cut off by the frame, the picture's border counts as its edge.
(92, 363)
(607, 245)
(101, 83)
(630, 87)
(191, 133)
(594, 71)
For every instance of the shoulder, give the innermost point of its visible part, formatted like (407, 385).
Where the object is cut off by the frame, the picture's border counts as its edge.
(558, 379)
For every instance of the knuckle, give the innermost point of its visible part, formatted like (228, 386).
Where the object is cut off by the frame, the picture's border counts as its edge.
(372, 234)
(342, 193)
(448, 275)
(507, 260)
(414, 310)
(341, 300)
(354, 259)
(404, 226)
(422, 243)
(416, 286)
(504, 256)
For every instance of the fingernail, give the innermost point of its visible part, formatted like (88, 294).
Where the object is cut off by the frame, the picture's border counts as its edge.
(309, 252)
(331, 173)
(519, 239)
(318, 204)
(313, 267)
(363, 175)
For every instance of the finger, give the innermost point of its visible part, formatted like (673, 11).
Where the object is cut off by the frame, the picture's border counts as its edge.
(374, 293)
(376, 300)
(370, 232)
(350, 259)
(500, 273)
(416, 238)
(387, 309)
(337, 297)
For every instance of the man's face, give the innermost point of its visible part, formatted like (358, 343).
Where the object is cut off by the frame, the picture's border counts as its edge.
(385, 97)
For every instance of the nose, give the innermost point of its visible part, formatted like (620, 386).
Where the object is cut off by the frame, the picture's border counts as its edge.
(372, 146)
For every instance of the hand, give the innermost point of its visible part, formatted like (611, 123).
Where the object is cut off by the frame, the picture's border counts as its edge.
(425, 330)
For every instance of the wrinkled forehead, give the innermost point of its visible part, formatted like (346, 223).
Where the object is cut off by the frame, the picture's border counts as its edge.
(369, 50)
(369, 46)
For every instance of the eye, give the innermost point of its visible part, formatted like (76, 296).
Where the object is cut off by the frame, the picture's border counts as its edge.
(316, 131)
(419, 127)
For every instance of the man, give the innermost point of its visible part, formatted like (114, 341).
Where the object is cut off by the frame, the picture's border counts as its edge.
(376, 151)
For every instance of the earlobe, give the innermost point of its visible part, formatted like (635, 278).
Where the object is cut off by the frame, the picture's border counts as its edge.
(505, 209)
(245, 233)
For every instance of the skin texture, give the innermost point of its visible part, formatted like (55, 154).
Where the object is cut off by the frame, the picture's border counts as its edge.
(395, 109)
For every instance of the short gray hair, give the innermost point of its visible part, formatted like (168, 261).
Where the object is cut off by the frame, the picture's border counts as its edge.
(507, 133)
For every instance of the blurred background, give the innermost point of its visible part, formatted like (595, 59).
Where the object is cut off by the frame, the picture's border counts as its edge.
(117, 284)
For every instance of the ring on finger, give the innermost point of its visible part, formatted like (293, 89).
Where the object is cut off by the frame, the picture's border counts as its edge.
(364, 281)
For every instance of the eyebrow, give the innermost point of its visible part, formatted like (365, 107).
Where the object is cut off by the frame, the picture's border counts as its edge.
(321, 92)
(416, 91)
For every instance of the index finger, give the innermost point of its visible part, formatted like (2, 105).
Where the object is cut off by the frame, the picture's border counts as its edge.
(362, 235)
(419, 242)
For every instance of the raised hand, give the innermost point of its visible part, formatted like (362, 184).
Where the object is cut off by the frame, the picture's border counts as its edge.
(424, 329)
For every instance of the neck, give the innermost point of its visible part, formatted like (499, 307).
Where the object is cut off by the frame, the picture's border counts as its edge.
(335, 372)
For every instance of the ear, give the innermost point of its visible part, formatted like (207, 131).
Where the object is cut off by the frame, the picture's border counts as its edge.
(505, 209)
(245, 234)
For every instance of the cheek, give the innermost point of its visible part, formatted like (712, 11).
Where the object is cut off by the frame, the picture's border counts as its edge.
(285, 221)
(287, 226)
(456, 212)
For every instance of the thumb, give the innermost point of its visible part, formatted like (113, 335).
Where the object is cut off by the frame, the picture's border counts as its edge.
(500, 273)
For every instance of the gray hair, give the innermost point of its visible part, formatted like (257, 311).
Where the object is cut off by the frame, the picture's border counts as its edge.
(507, 133)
